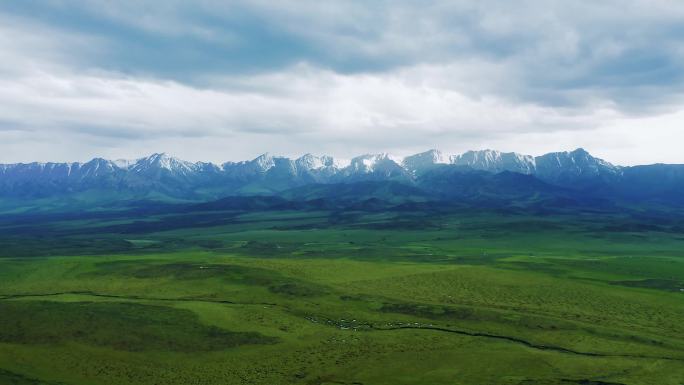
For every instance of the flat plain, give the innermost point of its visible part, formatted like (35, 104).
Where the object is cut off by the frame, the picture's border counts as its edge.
(458, 297)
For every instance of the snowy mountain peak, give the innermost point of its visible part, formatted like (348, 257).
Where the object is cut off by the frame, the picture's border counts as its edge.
(264, 162)
(557, 166)
(437, 156)
(374, 167)
(124, 163)
(369, 162)
(162, 161)
(582, 154)
(313, 162)
(424, 161)
(496, 161)
(93, 168)
(433, 156)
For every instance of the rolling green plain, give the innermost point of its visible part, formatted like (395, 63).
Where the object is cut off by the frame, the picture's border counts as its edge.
(458, 297)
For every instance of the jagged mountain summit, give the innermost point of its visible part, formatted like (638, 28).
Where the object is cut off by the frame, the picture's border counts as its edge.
(163, 176)
(425, 161)
(558, 167)
(495, 161)
(320, 168)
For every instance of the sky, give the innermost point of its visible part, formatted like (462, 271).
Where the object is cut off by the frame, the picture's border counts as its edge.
(228, 80)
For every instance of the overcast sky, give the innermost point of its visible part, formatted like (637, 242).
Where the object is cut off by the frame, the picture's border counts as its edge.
(227, 80)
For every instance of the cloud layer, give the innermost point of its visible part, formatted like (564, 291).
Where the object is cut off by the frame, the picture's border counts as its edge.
(217, 80)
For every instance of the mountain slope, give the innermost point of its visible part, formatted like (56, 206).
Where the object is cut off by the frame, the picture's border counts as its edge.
(425, 161)
(460, 182)
(372, 167)
(387, 191)
(576, 168)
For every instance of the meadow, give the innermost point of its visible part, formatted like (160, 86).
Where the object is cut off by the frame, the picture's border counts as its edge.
(322, 297)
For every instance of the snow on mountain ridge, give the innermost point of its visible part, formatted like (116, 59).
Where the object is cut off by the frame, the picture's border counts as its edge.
(325, 169)
(424, 161)
(124, 163)
(162, 161)
(369, 162)
(560, 166)
(496, 161)
(313, 162)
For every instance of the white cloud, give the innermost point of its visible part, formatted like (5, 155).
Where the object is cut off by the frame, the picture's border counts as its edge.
(294, 111)
(454, 75)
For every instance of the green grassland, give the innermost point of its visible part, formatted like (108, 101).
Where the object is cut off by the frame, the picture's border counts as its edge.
(460, 297)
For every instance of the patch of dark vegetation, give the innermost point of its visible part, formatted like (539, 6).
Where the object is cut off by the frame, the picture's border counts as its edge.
(305, 226)
(211, 244)
(39, 246)
(121, 326)
(268, 249)
(11, 378)
(566, 382)
(274, 281)
(518, 226)
(45, 246)
(633, 338)
(633, 228)
(338, 218)
(430, 311)
(534, 266)
(356, 297)
(639, 267)
(168, 223)
(208, 298)
(329, 379)
(397, 225)
(653, 283)
(294, 289)
(484, 259)
(463, 313)
(141, 269)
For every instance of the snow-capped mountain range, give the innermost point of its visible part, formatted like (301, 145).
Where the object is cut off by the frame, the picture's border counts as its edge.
(164, 175)
(325, 167)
